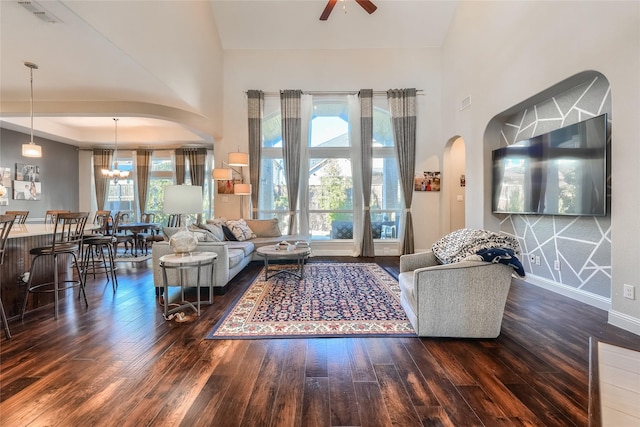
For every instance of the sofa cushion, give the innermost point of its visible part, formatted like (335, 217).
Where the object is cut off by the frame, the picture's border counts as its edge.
(246, 247)
(264, 227)
(240, 230)
(459, 244)
(215, 230)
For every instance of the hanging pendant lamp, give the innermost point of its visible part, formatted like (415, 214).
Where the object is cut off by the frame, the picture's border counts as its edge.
(31, 149)
(115, 173)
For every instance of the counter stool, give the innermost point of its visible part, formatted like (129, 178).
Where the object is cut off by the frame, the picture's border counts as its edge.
(94, 258)
(6, 222)
(67, 238)
(21, 216)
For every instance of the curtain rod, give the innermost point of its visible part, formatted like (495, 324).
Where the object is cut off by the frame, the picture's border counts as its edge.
(336, 92)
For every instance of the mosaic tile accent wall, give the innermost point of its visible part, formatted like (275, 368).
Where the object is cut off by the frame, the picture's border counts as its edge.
(581, 244)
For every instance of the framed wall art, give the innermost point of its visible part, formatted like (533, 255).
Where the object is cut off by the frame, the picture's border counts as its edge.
(426, 181)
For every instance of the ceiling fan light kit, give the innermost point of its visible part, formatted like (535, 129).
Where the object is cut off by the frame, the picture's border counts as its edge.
(367, 5)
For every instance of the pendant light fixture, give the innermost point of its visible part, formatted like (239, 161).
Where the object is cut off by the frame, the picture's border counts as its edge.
(115, 173)
(31, 149)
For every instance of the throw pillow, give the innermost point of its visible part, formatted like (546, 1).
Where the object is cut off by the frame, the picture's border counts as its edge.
(264, 227)
(240, 230)
(228, 235)
(169, 231)
(215, 230)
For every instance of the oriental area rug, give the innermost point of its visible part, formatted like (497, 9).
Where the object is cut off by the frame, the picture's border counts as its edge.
(332, 300)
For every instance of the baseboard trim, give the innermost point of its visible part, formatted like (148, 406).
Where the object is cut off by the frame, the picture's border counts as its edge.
(624, 321)
(568, 291)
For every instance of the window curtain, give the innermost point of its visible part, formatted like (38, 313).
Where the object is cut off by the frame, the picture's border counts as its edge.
(291, 134)
(101, 160)
(255, 106)
(197, 160)
(180, 166)
(143, 166)
(366, 150)
(353, 103)
(402, 106)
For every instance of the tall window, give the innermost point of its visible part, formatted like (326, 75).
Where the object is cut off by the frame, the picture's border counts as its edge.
(327, 190)
(160, 174)
(121, 194)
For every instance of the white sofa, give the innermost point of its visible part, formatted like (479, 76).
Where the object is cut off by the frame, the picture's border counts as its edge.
(233, 256)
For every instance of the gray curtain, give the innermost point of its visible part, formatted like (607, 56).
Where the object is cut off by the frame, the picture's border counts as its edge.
(180, 167)
(402, 105)
(143, 166)
(291, 134)
(101, 160)
(255, 104)
(366, 148)
(197, 159)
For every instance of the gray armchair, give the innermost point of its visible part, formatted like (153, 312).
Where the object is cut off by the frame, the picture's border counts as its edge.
(463, 299)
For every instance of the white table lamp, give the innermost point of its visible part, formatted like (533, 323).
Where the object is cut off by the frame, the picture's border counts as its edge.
(182, 200)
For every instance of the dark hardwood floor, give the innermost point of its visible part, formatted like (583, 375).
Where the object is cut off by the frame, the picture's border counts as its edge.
(120, 363)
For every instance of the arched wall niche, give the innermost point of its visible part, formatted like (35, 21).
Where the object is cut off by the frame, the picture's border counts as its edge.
(582, 245)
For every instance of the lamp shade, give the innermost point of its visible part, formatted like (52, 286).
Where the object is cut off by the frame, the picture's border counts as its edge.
(31, 150)
(238, 159)
(182, 199)
(222, 174)
(242, 189)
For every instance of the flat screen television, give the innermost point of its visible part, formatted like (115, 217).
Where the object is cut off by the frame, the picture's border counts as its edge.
(562, 172)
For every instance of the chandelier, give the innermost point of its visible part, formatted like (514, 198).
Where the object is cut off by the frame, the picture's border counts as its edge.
(115, 173)
(31, 149)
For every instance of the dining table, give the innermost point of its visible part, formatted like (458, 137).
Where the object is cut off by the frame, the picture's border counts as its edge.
(17, 261)
(136, 228)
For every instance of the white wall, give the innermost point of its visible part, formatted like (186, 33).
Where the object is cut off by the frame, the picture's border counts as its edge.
(348, 70)
(502, 53)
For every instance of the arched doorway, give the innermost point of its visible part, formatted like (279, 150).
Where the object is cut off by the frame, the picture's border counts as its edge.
(454, 165)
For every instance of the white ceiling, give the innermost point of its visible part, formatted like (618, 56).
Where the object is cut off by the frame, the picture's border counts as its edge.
(150, 59)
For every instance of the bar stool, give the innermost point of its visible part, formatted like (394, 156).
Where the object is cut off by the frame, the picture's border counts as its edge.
(6, 222)
(21, 216)
(94, 259)
(67, 237)
(50, 216)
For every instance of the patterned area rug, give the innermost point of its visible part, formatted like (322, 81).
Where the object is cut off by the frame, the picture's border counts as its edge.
(333, 300)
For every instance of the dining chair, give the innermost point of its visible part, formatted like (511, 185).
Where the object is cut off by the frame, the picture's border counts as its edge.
(121, 236)
(149, 236)
(50, 216)
(6, 222)
(94, 258)
(67, 239)
(21, 216)
(173, 220)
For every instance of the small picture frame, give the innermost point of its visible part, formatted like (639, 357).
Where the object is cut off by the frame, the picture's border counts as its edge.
(426, 181)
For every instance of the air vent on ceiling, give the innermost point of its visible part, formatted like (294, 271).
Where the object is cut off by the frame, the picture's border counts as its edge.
(39, 11)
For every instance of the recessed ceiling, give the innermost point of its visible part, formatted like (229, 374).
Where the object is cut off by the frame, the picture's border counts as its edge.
(104, 57)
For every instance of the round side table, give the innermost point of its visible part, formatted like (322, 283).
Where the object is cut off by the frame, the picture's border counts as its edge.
(184, 268)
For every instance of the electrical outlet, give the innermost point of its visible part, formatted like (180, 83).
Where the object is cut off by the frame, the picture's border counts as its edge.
(537, 259)
(556, 264)
(532, 258)
(629, 291)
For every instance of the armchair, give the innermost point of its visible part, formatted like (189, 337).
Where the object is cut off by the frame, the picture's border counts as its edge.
(464, 299)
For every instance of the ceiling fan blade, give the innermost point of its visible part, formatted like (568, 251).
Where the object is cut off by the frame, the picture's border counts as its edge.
(327, 10)
(367, 5)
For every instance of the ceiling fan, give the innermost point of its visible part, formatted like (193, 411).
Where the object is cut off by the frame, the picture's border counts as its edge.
(366, 5)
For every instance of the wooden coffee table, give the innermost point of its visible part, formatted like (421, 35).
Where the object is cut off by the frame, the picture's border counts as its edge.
(274, 252)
